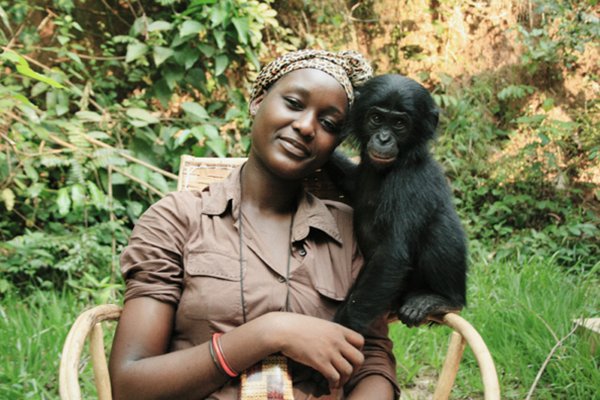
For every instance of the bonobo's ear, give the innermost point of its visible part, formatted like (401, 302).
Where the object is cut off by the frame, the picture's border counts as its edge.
(432, 119)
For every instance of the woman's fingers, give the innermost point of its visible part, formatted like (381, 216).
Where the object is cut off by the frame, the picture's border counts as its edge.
(329, 348)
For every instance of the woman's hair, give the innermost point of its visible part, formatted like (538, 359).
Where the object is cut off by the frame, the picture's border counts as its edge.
(348, 67)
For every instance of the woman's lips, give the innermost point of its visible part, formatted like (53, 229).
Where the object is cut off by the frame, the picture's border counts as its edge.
(294, 147)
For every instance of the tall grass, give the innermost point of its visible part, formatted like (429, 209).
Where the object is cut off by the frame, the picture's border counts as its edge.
(521, 311)
(32, 334)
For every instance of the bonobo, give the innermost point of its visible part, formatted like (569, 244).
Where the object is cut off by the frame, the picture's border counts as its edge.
(407, 228)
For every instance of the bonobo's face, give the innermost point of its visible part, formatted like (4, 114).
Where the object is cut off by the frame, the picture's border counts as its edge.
(391, 116)
(385, 132)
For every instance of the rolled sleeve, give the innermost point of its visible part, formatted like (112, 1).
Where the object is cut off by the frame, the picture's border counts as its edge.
(151, 264)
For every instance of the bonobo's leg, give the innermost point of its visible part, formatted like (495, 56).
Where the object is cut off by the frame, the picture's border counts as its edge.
(374, 292)
(440, 284)
(342, 171)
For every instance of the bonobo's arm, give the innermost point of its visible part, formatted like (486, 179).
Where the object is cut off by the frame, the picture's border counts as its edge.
(342, 171)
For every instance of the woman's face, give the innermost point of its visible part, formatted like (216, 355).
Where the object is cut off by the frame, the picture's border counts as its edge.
(297, 122)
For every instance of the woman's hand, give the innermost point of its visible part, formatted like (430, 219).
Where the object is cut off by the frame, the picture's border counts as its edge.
(329, 348)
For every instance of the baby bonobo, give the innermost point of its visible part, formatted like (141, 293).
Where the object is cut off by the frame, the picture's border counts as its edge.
(407, 228)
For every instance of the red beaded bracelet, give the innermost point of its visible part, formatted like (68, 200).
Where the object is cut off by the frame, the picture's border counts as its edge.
(216, 345)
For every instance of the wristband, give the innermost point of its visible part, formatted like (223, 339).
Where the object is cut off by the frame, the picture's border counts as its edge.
(218, 351)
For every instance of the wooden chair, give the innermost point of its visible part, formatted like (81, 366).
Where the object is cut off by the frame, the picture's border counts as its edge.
(194, 174)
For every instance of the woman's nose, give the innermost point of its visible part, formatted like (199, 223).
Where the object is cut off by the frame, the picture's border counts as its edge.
(304, 124)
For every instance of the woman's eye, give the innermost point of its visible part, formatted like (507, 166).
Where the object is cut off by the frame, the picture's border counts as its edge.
(293, 103)
(330, 126)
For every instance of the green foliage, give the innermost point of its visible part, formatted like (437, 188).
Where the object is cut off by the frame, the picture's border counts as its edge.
(564, 30)
(95, 131)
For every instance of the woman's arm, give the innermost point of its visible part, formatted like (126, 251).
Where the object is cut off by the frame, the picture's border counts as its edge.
(141, 368)
(373, 387)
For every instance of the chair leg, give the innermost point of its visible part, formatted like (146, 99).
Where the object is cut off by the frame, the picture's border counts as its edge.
(489, 376)
(99, 362)
(450, 368)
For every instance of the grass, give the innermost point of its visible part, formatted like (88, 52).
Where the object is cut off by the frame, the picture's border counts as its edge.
(521, 311)
(33, 331)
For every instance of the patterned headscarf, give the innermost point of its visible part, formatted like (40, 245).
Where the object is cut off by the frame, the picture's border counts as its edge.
(348, 67)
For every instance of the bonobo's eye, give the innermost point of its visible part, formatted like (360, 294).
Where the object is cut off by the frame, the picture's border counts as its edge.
(376, 118)
(399, 123)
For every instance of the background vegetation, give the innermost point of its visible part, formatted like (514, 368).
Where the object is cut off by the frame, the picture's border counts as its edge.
(99, 99)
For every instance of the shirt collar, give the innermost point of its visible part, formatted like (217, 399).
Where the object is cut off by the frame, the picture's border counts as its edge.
(312, 212)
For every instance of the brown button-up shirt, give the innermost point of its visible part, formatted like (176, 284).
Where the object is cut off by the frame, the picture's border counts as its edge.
(185, 251)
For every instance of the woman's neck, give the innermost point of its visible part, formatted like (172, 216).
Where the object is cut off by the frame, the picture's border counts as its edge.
(265, 192)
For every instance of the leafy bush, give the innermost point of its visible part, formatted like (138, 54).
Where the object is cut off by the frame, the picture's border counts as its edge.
(97, 137)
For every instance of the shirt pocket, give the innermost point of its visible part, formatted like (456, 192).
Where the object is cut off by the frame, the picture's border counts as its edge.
(211, 287)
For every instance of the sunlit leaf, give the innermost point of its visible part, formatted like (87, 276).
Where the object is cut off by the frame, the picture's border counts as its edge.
(88, 116)
(63, 201)
(4, 18)
(242, 26)
(161, 54)
(135, 51)
(159, 182)
(141, 115)
(9, 199)
(195, 110)
(78, 195)
(221, 62)
(190, 27)
(159, 26)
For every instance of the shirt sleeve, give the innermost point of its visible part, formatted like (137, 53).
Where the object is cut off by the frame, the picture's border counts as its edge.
(379, 358)
(151, 264)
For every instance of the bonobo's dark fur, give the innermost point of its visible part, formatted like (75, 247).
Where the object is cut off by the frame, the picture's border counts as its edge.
(407, 227)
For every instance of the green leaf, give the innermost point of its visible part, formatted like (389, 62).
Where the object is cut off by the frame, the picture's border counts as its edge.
(173, 75)
(217, 16)
(162, 91)
(141, 115)
(221, 62)
(220, 38)
(25, 70)
(78, 195)
(63, 201)
(195, 110)
(218, 145)
(159, 26)
(161, 54)
(135, 51)
(188, 56)
(9, 199)
(190, 27)
(98, 197)
(242, 26)
(88, 116)
(159, 182)
(4, 18)
(207, 50)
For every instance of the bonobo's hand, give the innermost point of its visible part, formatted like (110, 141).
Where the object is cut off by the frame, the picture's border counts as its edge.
(415, 309)
(329, 348)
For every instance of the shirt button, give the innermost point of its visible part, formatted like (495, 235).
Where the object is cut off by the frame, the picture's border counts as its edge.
(281, 279)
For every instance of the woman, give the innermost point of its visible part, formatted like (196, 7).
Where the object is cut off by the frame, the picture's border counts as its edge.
(220, 279)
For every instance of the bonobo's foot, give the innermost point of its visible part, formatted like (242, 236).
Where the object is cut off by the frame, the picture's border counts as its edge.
(415, 309)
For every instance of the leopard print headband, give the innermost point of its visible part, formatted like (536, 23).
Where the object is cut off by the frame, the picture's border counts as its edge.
(348, 67)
